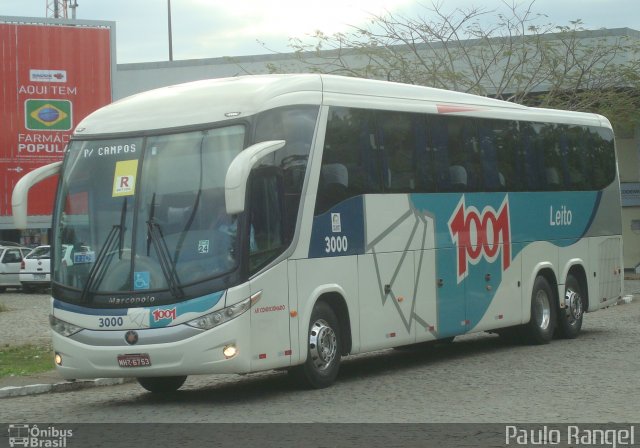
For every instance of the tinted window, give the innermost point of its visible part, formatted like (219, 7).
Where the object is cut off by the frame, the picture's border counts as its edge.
(296, 125)
(352, 159)
(398, 152)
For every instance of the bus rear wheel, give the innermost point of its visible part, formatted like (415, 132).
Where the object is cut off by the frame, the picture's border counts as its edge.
(570, 317)
(323, 349)
(164, 384)
(542, 324)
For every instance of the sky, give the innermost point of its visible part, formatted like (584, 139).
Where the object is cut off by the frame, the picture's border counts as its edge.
(217, 28)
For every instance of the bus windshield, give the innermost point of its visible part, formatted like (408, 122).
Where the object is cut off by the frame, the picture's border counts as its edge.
(144, 214)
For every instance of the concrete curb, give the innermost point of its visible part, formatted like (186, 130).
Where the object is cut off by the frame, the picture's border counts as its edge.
(65, 386)
(625, 300)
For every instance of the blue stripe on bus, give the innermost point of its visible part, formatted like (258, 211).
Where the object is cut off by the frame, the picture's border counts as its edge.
(559, 218)
(344, 221)
(64, 306)
(196, 305)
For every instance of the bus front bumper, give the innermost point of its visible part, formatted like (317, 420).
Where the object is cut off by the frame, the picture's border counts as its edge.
(202, 353)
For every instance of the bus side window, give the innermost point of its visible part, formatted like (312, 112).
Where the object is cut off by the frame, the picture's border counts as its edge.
(489, 135)
(295, 125)
(424, 154)
(439, 138)
(351, 163)
(577, 158)
(533, 160)
(398, 139)
(266, 217)
(602, 154)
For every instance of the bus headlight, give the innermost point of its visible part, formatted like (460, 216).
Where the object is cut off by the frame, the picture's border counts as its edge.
(211, 320)
(64, 328)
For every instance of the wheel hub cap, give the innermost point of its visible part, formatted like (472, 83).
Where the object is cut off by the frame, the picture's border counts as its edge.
(323, 344)
(542, 310)
(573, 303)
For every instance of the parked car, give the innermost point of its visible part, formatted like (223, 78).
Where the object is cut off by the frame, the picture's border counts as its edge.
(10, 259)
(35, 269)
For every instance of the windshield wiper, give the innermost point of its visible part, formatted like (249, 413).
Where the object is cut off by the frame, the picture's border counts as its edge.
(99, 268)
(164, 257)
(194, 209)
(103, 260)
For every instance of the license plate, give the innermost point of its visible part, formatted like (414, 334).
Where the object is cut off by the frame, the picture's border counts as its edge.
(39, 276)
(134, 360)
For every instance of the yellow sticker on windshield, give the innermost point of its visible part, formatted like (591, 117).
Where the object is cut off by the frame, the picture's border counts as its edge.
(124, 179)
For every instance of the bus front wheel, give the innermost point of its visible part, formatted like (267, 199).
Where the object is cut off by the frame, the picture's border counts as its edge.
(540, 328)
(164, 384)
(323, 349)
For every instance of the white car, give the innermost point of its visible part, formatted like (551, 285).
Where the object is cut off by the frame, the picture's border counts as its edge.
(35, 269)
(10, 259)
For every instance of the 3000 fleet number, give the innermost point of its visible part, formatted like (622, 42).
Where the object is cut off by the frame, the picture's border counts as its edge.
(335, 244)
(105, 322)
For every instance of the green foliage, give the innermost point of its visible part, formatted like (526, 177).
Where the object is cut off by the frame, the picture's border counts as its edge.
(25, 360)
(519, 58)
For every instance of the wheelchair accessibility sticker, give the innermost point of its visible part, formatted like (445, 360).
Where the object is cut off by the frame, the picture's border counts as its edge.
(141, 280)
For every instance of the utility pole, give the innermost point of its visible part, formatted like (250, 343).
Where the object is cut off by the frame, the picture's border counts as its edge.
(57, 9)
(170, 37)
(73, 6)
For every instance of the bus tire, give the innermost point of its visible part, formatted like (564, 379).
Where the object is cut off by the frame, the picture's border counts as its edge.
(542, 324)
(163, 384)
(570, 317)
(323, 349)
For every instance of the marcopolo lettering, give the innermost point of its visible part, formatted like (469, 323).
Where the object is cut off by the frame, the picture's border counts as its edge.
(131, 300)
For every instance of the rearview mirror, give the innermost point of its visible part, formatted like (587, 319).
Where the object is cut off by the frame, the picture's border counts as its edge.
(21, 191)
(235, 182)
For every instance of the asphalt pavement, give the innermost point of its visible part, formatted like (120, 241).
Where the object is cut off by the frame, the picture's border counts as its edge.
(26, 322)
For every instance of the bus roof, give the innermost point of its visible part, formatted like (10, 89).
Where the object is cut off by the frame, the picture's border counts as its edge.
(216, 100)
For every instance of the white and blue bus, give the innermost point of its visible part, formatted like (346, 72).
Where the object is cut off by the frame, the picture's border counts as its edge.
(286, 221)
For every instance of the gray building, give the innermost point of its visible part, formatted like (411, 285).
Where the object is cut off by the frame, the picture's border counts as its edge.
(133, 78)
(129, 79)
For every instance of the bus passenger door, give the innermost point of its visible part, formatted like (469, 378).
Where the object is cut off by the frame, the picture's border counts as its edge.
(270, 338)
(386, 273)
(266, 240)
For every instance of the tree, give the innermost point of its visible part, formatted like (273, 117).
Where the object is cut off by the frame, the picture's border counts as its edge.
(519, 58)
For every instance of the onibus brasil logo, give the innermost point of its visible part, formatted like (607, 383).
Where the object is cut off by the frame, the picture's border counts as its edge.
(479, 235)
(34, 436)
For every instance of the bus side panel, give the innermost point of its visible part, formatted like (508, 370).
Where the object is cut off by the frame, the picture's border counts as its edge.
(395, 232)
(605, 276)
(426, 307)
(319, 276)
(575, 255)
(294, 329)
(270, 339)
(505, 308)
(386, 289)
(452, 317)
